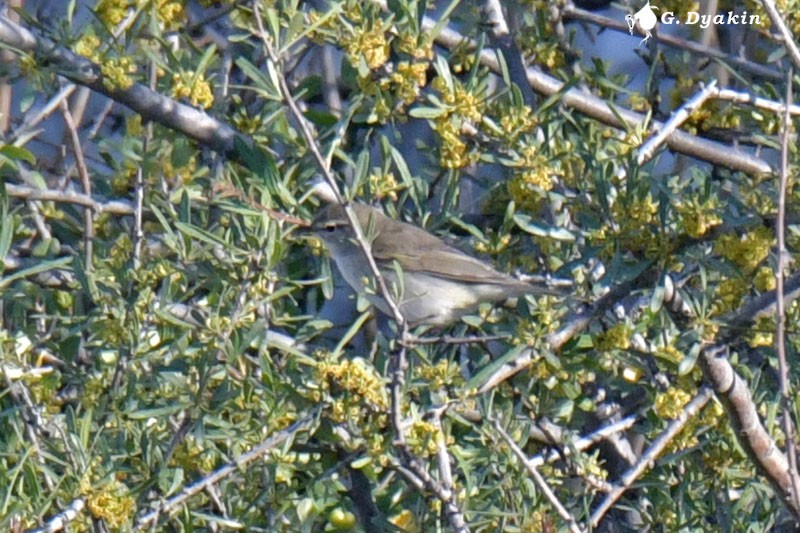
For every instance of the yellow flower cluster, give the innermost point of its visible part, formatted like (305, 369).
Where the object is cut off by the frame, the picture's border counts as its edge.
(113, 504)
(437, 375)
(112, 12)
(764, 280)
(117, 72)
(88, 47)
(495, 244)
(453, 152)
(636, 221)
(638, 212)
(516, 121)
(463, 103)
(423, 438)
(785, 7)
(405, 521)
(170, 13)
(383, 185)
(670, 403)
(407, 81)
(617, 337)
(747, 251)
(417, 46)
(533, 329)
(369, 43)
(729, 295)
(193, 87)
(184, 173)
(549, 55)
(462, 106)
(192, 457)
(528, 187)
(637, 102)
(591, 467)
(762, 332)
(354, 385)
(698, 217)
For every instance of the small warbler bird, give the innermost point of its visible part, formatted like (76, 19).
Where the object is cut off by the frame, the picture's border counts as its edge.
(439, 283)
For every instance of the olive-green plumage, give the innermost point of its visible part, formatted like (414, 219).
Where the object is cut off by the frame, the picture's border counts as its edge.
(439, 283)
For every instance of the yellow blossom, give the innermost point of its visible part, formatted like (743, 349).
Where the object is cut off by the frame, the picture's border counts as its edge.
(193, 87)
(423, 438)
(729, 295)
(617, 337)
(88, 46)
(762, 333)
(764, 280)
(112, 12)
(370, 44)
(117, 71)
(113, 504)
(747, 251)
(670, 403)
(170, 13)
(698, 217)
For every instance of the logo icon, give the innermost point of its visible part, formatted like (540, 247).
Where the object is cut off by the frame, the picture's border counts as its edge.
(645, 18)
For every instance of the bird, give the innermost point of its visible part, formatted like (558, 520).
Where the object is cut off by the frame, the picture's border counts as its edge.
(439, 284)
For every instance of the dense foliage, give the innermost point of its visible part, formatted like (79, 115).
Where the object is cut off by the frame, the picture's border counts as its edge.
(181, 319)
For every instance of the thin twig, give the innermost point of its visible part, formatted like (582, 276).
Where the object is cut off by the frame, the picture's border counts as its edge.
(30, 123)
(86, 182)
(311, 143)
(780, 311)
(101, 117)
(648, 149)
(116, 207)
(650, 455)
(584, 443)
(538, 479)
(166, 508)
(788, 40)
(572, 325)
(760, 103)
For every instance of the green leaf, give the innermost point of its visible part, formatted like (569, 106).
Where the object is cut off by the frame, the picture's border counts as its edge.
(479, 379)
(427, 112)
(7, 227)
(202, 235)
(44, 266)
(17, 153)
(559, 234)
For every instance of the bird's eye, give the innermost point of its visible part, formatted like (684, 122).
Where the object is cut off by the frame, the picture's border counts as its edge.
(330, 228)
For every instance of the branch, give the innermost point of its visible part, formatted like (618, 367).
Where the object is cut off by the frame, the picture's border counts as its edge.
(311, 142)
(788, 40)
(115, 207)
(86, 182)
(650, 455)
(679, 116)
(62, 519)
(538, 479)
(608, 113)
(573, 324)
(732, 389)
(220, 136)
(149, 104)
(780, 312)
(150, 519)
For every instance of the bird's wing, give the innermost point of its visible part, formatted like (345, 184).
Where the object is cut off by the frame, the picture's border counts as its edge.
(440, 260)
